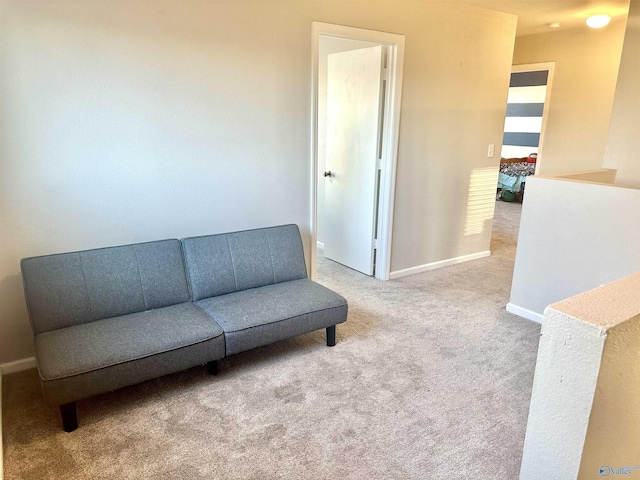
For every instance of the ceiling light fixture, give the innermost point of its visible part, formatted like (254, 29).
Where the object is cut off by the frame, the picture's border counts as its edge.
(598, 21)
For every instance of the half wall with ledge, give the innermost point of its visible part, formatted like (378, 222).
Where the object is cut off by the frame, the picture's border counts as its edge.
(583, 420)
(577, 231)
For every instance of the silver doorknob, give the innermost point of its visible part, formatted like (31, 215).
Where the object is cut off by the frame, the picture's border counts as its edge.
(327, 174)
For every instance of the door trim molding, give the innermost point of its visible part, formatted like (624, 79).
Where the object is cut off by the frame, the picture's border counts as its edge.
(390, 136)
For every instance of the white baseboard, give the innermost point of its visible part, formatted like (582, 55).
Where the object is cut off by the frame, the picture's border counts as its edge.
(524, 313)
(440, 264)
(1, 438)
(320, 246)
(5, 368)
(18, 365)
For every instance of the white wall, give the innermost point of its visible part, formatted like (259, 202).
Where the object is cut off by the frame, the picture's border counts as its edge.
(624, 142)
(127, 121)
(574, 236)
(584, 82)
(132, 121)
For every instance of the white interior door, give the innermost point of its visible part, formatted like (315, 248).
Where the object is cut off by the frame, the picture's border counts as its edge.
(354, 81)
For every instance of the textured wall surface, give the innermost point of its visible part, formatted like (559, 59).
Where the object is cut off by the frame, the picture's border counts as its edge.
(563, 387)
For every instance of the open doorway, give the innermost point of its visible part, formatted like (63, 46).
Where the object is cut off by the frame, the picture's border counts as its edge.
(355, 155)
(524, 128)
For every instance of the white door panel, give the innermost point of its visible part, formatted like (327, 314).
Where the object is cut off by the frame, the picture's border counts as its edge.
(353, 112)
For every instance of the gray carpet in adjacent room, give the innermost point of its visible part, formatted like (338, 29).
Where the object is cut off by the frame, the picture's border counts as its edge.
(430, 379)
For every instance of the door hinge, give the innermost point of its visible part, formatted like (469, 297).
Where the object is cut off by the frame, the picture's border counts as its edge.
(385, 74)
(375, 243)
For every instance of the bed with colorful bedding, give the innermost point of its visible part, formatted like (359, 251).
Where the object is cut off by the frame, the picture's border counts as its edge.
(514, 172)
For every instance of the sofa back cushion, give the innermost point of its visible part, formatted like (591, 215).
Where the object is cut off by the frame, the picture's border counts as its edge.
(72, 288)
(231, 262)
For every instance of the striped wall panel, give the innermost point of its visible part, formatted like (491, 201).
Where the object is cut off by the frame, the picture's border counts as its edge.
(521, 139)
(519, 124)
(525, 106)
(529, 79)
(525, 109)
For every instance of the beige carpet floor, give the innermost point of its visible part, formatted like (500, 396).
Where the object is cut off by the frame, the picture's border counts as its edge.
(431, 379)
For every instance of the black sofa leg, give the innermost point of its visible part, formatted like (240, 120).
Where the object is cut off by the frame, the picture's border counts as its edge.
(69, 415)
(331, 336)
(212, 367)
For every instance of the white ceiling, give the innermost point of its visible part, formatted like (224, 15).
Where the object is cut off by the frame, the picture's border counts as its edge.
(535, 15)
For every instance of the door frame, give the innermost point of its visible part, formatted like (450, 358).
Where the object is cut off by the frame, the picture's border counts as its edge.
(390, 134)
(534, 67)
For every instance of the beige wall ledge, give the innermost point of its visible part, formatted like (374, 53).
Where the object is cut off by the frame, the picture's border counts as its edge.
(598, 175)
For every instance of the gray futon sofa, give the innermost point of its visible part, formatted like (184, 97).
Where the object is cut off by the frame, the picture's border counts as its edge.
(111, 317)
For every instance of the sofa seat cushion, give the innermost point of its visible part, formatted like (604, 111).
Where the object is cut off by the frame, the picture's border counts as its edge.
(263, 315)
(104, 343)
